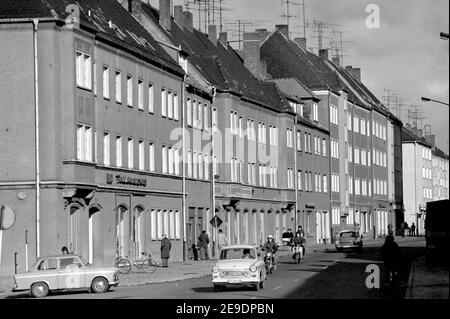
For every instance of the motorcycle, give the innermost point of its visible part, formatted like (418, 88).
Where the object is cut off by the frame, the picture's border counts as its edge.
(297, 251)
(268, 261)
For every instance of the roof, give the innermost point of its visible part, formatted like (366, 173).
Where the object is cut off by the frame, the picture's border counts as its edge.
(96, 15)
(221, 65)
(438, 152)
(410, 137)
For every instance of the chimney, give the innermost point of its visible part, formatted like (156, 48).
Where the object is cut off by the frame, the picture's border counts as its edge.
(178, 15)
(323, 53)
(356, 73)
(165, 14)
(188, 21)
(336, 60)
(251, 54)
(284, 29)
(212, 33)
(135, 8)
(301, 42)
(223, 38)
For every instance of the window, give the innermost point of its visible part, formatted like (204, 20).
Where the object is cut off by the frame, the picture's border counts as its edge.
(194, 114)
(290, 178)
(273, 132)
(334, 117)
(289, 138)
(325, 184)
(206, 161)
(164, 159)
(200, 116)
(350, 153)
(195, 165)
(151, 99)
(118, 87)
(251, 134)
(171, 160)
(141, 163)
(206, 119)
(95, 78)
(189, 164)
(84, 143)
(151, 154)
(214, 118)
(106, 149)
(129, 91)
(140, 95)
(130, 153)
(200, 165)
(363, 157)
(118, 151)
(299, 141)
(357, 186)
(83, 70)
(170, 105)
(357, 155)
(308, 144)
(369, 159)
(189, 112)
(163, 103)
(315, 112)
(356, 124)
(299, 180)
(363, 126)
(262, 133)
(336, 215)
(324, 148)
(106, 82)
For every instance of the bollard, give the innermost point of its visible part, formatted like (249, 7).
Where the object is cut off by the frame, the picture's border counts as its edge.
(15, 263)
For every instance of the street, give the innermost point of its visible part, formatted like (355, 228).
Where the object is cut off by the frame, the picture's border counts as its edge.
(323, 274)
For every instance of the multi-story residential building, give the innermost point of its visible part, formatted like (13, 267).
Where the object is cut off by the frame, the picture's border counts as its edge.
(440, 174)
(355, 119)
(252, 191)
(88, 107)
(417, 178)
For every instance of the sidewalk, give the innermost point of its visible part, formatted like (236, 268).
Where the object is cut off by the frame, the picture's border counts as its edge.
(428, 280)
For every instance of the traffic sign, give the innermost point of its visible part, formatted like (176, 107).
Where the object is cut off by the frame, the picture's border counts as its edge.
(7, 217)
(216, 221)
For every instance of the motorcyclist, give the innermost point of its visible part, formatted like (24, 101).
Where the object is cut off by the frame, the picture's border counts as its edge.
(271, 246)
(300, 241)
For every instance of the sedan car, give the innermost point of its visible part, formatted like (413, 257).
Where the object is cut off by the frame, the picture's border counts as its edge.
(349, 239)
(239, 265)
(65, 272)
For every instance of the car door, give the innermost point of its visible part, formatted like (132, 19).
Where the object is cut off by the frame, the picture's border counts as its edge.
(71, 273)
(47, 271)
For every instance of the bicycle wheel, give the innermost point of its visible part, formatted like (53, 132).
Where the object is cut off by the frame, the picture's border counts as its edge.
(124, 266)
(149, 265)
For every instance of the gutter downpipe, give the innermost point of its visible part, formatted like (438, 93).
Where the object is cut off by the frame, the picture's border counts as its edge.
(37, 151)
(213, 178)
(294, 140)
(183, 201)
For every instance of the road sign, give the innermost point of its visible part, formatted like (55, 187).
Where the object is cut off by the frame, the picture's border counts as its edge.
(216, 221)
(7, 217)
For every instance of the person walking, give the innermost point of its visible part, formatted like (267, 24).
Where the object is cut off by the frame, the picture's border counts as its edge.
(402, 229)
(166, 245)
(413, 230)
(221, 240)
(203, 242)
(406, 227)
(391, 256)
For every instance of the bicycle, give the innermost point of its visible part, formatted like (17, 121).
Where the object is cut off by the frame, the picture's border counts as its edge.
(144, 263)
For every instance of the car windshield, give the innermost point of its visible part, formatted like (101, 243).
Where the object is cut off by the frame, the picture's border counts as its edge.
(351, 234)
(70, 262)
(238, 253)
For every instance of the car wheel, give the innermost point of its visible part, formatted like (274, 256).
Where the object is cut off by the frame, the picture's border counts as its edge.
(100, 285)
(39, 290)
(218, 288)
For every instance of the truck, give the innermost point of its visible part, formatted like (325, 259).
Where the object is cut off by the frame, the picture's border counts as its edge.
(437, 227)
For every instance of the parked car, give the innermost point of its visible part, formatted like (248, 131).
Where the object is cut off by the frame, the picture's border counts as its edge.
(349, 239)
(240, 265)
(65, 272)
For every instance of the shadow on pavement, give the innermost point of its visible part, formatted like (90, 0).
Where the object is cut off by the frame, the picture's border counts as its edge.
(347, 278)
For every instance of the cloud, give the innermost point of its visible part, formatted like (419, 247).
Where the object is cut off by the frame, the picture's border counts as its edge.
(437, 88)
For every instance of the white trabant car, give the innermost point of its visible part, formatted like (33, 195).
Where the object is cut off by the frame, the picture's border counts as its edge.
(240, 265)
(65, 272)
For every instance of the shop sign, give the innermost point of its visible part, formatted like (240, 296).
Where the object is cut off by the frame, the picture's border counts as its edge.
(125, 180)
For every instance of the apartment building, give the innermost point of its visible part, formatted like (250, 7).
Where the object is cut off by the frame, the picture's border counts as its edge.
(440, 174)
(99, 174)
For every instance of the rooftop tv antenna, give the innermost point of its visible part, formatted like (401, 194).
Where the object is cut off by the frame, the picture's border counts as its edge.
(241, 27)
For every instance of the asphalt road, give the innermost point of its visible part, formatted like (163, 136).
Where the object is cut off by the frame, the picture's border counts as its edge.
(323, 274)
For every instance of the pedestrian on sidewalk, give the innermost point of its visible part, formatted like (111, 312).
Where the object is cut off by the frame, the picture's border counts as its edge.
(406, 227)
(402, 230)
(391, 256)
(203, 242)
(221, 240)
(165, 250)
(413, 230)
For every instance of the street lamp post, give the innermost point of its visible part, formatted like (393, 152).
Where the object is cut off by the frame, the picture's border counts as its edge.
(426, 99)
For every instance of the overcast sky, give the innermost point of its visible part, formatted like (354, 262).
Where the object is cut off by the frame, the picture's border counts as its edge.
(405, 54)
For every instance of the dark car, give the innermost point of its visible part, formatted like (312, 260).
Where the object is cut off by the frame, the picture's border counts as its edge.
(349, 239)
